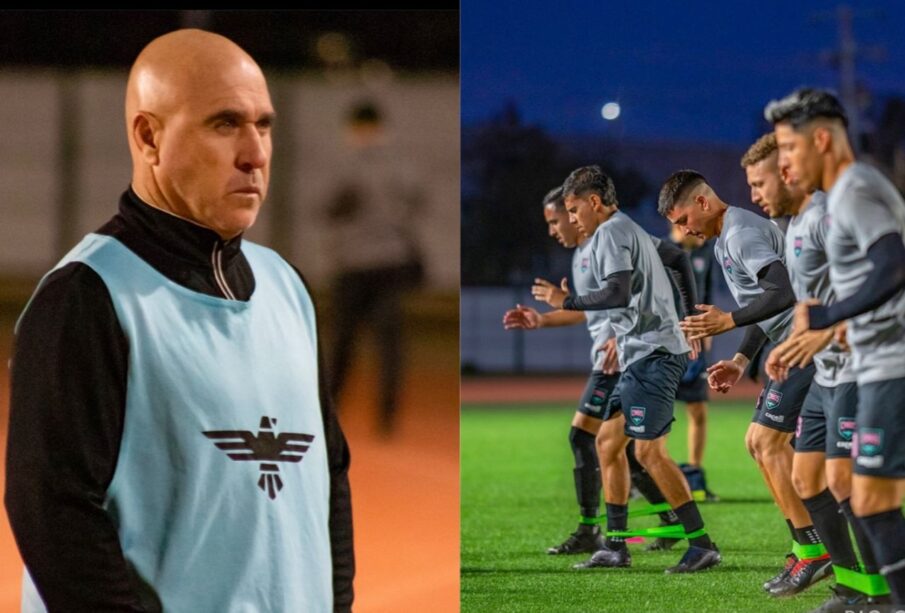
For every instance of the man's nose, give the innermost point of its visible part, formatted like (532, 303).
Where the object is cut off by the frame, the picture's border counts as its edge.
(254, 149)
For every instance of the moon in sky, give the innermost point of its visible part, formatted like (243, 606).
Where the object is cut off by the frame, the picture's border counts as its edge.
(610, 111)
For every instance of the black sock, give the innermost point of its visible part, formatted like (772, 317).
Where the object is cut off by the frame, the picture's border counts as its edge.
(642, 479)
(791, 528)
(616, 520)
(833, 528)
(864, 546)
(586, 472)
(692, 521)
(887, 538)
(807, 536)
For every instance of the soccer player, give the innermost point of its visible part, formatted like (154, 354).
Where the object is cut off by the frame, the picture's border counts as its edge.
(601, 382)
(866, 255)
(750, 251)
(825, 425)
(631, 280)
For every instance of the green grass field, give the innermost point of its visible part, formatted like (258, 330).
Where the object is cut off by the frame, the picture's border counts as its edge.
(518, 499)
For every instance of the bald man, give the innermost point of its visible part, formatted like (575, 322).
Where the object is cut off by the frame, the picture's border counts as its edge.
(171, 446)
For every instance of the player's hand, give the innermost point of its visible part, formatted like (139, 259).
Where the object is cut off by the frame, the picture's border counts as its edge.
(774, 366)
(723, 375)
(801, 348)
(801, 320)
(841, 336)
(545, 291)
(710, 322)
(695, 345)
(610, 357)
(522, 318)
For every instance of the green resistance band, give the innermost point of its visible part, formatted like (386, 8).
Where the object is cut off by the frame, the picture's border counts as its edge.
(676, 532)
(651, 509)
(806, 552)
(872, 585)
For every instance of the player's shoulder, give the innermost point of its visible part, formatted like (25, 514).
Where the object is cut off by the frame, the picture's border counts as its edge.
(73, 289)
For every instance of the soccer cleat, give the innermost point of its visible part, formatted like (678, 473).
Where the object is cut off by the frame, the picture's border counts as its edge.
(695, 559)
(582, 540)
(607, 558)
(791, 561)
(843, 599)
(803, 575)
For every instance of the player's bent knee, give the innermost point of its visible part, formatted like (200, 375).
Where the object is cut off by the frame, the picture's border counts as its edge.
(839, 478)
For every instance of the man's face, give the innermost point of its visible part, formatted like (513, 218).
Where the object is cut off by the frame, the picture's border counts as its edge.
(694, 218)
(799, 157)
(559, 227)
(215, 150)
(582, 214)
(687, 241)
(767, 188)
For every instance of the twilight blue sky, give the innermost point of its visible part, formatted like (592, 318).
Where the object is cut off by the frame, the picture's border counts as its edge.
(690, 70)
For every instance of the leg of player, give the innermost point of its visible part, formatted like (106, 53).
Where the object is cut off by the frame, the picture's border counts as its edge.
(611, 443)
(645, 483)
(878, 485)
(587, 538)
(697, 432)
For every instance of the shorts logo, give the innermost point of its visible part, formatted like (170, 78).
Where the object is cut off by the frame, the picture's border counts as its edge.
(637, 415)
(798, 428)
(598, 398)
(773, 399)
(870, 441)
(845, 427)
(727, 264)
(799, 241)
(774, 417)
(699, 264)
(585, 263)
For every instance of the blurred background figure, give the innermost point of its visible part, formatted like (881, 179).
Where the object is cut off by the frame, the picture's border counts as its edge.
(373, 218)
(64, 161)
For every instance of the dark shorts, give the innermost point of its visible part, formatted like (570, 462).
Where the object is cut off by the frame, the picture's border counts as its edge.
(693, 386)
(780, 403)
(646, 394)
(827, 420)
(877, 448)
(596, 397)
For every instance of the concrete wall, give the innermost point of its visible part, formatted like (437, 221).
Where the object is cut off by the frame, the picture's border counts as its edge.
(44, 112)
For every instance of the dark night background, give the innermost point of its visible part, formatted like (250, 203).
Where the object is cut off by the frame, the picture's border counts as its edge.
(691, 78)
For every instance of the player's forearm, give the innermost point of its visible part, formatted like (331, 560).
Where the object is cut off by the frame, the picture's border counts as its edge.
(674, 258)
(751, 343)
(886, 279)
(777, 296)
(561, 317)
(615, 293)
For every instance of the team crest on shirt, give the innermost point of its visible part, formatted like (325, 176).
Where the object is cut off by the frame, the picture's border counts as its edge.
(266, 447)
(585, 262)
(845, 426)
(699, 264)
(799, 241)
(773, 399)
(728, 264)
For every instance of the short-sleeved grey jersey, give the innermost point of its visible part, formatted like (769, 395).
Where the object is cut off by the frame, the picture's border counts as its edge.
(746, 244)
(809, 271)
(649, 322)
(863, 206)
(583, 282)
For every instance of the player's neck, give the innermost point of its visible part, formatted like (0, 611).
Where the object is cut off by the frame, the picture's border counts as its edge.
(836, 165)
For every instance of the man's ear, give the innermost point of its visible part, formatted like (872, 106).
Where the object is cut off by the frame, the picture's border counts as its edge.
(702, 201)
(596, 203)
(823, 139)
(146, 130)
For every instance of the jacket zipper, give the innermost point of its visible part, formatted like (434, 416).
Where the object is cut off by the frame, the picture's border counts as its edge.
(219, 277)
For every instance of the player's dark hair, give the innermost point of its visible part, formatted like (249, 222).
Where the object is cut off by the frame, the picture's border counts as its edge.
(676, 187)
(803, 106)
(590, 179)
(554, 197)
(364, 112)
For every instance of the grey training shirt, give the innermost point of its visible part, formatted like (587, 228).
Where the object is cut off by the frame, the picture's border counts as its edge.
(746, 244)
(863, 206)
(583, 282)
(649, 322)
(809, 272)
